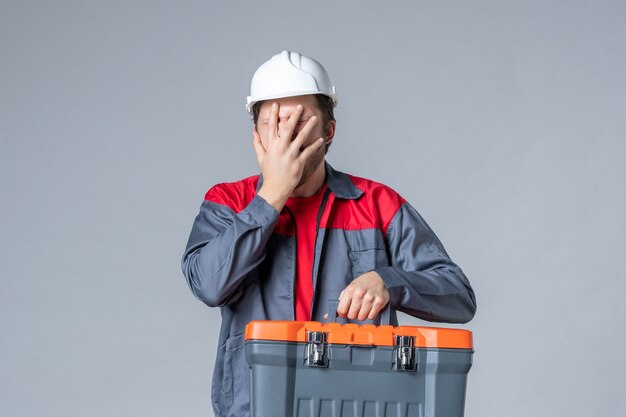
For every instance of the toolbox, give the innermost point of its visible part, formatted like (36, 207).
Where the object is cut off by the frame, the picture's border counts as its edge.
(312, 369)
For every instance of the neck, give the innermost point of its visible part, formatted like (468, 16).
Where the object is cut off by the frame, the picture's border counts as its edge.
(313, 184)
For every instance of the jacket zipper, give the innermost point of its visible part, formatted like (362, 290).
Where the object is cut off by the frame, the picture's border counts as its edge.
(317, 232)
(295, 265)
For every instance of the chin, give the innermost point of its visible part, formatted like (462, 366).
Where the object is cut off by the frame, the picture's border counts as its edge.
(309, 170)
(303, 180)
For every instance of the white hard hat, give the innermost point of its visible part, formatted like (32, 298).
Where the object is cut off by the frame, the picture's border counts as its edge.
(289, 74)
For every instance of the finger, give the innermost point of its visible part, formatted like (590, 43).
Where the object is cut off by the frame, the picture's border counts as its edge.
(364, 312)
(326, 316)
(376, 308)
(272, 123)
(355, 307)
(366, 307)
(311, 149)
(304, 133)
(258, 147)
(287, 132)
(344, 305)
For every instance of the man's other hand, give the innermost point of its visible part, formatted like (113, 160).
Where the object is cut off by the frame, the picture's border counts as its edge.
(364, 298)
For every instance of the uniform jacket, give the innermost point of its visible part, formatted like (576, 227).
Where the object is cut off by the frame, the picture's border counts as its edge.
(241, 257)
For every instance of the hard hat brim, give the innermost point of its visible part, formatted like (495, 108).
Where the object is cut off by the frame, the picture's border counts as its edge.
(251, 102)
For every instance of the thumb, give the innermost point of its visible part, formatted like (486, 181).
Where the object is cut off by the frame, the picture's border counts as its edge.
(258, 147)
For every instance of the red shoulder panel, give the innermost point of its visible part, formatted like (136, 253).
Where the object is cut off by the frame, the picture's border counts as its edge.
(374, 209)
(236, 195)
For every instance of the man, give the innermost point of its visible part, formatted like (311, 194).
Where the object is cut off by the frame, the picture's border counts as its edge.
(279, 246)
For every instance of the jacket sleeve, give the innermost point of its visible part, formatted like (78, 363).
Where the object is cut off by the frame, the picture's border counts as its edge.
(224, 246)
(422, 279)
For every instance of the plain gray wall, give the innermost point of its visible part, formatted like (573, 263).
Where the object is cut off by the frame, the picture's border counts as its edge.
(502, 122)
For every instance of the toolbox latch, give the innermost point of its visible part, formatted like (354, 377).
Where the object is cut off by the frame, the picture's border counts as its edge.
(316, 350)
(405, 360)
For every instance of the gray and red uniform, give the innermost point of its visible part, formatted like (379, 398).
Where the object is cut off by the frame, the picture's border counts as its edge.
(241, 256)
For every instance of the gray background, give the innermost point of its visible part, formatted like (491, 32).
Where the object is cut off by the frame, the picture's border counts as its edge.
(502, 122)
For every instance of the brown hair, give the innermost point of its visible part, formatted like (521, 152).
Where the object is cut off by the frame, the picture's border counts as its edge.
(325, 104)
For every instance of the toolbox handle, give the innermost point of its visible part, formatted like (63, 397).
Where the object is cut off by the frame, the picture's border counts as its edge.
(333, 317)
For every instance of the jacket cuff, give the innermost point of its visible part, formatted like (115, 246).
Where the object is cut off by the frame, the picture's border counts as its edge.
(389, 276)
(261, 211)
(394, 283)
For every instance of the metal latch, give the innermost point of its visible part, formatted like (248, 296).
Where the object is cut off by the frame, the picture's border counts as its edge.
(404, 353)
(316, 350)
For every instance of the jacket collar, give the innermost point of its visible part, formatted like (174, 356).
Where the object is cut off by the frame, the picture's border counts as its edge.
(338, 182)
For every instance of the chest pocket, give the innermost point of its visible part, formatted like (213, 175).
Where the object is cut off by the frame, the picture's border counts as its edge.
(367, 251)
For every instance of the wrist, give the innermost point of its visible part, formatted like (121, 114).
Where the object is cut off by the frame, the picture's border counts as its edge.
(273, 198)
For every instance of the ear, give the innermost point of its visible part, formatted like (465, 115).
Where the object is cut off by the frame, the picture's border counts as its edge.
(329, 131)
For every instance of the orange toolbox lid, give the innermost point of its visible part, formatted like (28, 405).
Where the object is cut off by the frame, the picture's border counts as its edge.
(354, 334)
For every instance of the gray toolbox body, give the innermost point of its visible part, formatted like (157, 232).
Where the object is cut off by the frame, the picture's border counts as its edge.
(299, 370)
